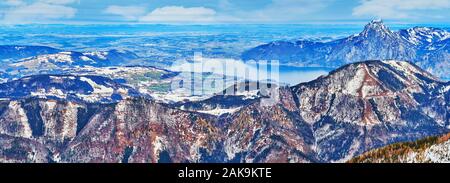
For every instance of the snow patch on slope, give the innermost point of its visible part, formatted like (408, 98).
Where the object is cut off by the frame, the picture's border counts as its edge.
(355, 83)
(219, 111)
(98, 89)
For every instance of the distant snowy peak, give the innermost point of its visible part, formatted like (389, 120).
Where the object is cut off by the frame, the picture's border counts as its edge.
(66, 87)
(423, 46)
(417, 36)
(424, 35)
(376, 28)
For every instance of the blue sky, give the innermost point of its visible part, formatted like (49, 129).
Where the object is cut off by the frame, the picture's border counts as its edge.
(222, 11)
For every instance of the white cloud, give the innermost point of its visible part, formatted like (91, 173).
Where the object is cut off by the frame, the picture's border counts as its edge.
(276, 10)
(300, 6)
(128, 12)
(397, 8)
(180, 14)
(38, 11)
(286, 10)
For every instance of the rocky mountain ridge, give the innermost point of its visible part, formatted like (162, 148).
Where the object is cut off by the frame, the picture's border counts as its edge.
(357, 108)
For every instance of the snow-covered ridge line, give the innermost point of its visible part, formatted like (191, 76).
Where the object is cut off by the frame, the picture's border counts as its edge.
(72, 58)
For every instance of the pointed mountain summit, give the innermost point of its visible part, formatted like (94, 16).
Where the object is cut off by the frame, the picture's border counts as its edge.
(375, 42)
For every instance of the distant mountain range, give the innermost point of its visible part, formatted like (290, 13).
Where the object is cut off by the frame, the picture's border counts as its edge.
(19, 61)
(426, 47)
(71, 58)
(118, 65)
(92, 89)
(357, 108)
(17, 52)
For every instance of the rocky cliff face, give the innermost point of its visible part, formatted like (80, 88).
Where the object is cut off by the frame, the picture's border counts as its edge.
(140, 130)
(22, 150)
(134, 130)
(274, 133)
(356, 108)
